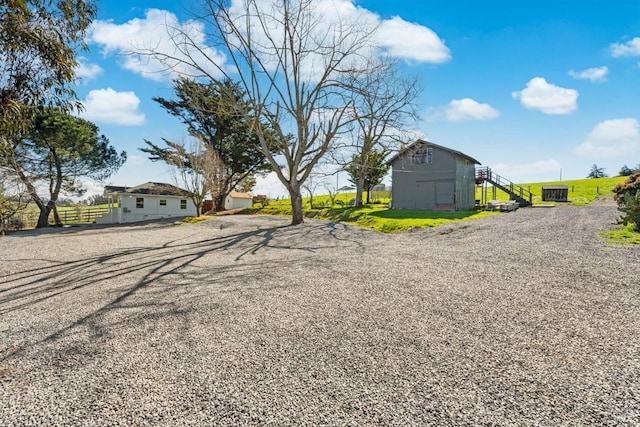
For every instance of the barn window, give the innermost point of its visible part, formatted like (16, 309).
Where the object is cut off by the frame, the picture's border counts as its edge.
(140, 202)
(163, 202)
(422, 156)
(183, 204)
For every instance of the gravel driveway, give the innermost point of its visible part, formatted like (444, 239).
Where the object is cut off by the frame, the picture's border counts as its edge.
(526, 318)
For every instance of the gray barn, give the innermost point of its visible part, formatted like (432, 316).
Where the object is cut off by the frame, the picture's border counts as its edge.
(432, 177)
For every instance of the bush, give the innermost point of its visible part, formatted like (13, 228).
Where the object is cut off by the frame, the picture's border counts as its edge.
(627, 195)
(262, 200)
(15, 224)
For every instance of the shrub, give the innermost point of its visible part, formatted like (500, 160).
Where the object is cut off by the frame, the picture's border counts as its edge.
(261, 199)
(627, 195)
(15, 223)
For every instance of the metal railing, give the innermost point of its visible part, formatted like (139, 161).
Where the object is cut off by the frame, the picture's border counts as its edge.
(486, 174)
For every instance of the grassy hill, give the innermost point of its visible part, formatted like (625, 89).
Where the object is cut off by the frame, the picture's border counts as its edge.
(377, 216)
(581, 191)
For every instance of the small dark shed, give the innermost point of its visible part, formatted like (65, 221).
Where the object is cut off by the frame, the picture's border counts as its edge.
(555, 193)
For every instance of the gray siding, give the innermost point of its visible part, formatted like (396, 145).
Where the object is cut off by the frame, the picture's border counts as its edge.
(465, 185)
(447, 181)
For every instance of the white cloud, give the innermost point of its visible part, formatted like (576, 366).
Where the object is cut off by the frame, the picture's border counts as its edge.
(270, 185)
(528, 171)
(459, 110)
(611, 139)
(112, 107)
(85, 71)
(546, 97)
(159, 29)
(406, 40)
(158, 32)
(630, 48)
(595, 75)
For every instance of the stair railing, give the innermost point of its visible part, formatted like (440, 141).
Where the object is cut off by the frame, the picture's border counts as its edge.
(486, 174)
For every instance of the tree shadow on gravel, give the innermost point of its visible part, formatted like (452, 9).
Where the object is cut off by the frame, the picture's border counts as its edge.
(167, 268)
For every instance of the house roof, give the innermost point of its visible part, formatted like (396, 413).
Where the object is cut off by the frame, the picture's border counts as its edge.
(431, 144)
(151, 188)
(238, 195)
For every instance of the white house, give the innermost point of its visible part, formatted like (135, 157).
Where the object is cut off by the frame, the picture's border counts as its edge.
(151, 200)
(236, 200)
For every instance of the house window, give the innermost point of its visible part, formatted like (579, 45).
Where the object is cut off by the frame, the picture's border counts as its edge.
(163, 202)
(140, 202)
(422, 156)
(183, 204)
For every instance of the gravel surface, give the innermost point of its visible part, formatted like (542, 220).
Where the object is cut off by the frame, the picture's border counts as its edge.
(526, 318)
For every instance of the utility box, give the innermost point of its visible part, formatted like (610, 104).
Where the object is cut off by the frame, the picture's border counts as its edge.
(555, 193)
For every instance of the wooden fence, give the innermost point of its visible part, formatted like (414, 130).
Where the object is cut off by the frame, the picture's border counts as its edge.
(79, 214)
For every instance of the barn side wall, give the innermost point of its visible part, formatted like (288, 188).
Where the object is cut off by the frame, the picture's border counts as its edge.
(424, 186)
(465, 184)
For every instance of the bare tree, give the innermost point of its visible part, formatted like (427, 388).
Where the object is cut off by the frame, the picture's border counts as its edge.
(196, 168)
(13, 198)
(291, 56)
(311, 185)
(381, 106)
(332, 192)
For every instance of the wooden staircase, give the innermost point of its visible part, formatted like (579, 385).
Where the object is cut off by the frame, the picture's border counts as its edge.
(520, 194)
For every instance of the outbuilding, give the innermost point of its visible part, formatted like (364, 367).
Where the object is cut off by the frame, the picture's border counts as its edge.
(238, 200)
(432, 177)
(555, 193)
(151, 200)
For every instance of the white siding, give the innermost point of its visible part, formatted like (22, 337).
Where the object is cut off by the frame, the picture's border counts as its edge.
(151, 209)
(237, 203)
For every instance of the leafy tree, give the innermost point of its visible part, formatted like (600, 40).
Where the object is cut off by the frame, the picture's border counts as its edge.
(625, 171)
(597, 172)
(217, 114)
(627, 195)
(38, 44)
(372, 174)
(56, 151)
(247, 184)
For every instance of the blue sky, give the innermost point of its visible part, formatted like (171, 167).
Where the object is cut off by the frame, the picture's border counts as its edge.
(529, 88)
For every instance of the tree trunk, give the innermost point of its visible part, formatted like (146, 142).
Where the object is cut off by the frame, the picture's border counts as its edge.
(297, 216)
(43, 219)
(56, 216)
(368, 193)
(359, 188)
(218, 202)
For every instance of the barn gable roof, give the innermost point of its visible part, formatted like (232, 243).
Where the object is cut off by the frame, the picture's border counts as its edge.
(420, 142)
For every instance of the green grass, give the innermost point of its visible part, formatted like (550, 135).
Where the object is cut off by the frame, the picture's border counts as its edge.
(377, 216)
(196, 219)
(581, 191)
(625, 235)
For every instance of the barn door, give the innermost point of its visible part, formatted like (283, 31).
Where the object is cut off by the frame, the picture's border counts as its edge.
(444, 192)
